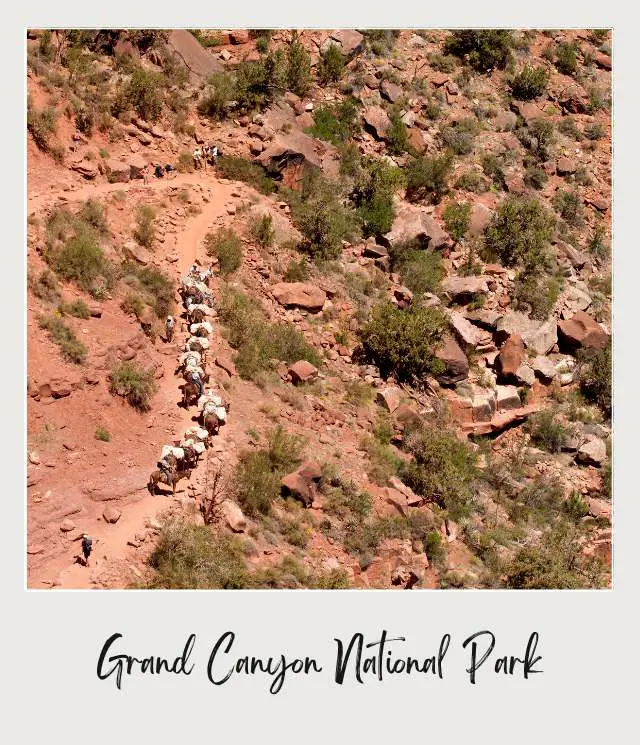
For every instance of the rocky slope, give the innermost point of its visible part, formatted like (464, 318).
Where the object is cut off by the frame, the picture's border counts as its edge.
(410, 237)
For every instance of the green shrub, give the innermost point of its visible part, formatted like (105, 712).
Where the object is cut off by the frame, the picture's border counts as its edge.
(189, 556)
(71, 348)
(143, 93)
(598, 245)
(442, 62)
(595, 379)
(322, 218)
(145, 231)
(459, 136)
(433, 547)
(297, 271)
(262, 230)
(77, 308)
(298, 68)
(374, 184)
(256, 480)
(157, 286)
(336, 123)
(594, 131)
(537, 137)
(358, 393)
(397, 136)
(42, 125)
(456, 218)
(537, 290)
(428, 177)
(134, 384)
(216, 100)
(569, 205)
(92, 213)
(103, 435)
(493, 167)
(403, 342)
(225, 246)
(331, 65)
(420, 269)
(556, 562)
(484, 49)
(133, 304)
(519, 232)
(566, 59)
(569, 127)
(575, 506)
(472, 181)
(546, 431)
(535, 177)
(380, 41)
(256, 340)
(239, 169)
(80, 259)
(442, 470)
(530, 82)
(44, 285)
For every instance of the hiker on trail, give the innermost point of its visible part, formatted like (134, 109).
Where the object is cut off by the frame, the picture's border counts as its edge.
(169, 170)
(87, 545)
(169, 326)
(145, 174)
(197, 158)
(164, 466)
(159, 171)
(213, 149)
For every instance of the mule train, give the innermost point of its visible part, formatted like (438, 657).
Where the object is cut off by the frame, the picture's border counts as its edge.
(178, 460)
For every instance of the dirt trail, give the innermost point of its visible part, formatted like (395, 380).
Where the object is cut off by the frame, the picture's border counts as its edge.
(110, 541)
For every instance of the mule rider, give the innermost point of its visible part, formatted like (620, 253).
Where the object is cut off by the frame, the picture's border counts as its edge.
(197, 381)
(164, 466)
(169, 326)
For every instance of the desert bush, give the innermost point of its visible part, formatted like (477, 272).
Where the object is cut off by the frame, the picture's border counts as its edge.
(459, 136)
(472, 181)
(225, 246)
(537, 290)
(456, 218)
(483, 49)
(598, 245)
(189, 556)
(428, 177)
(44, 285)
(566, 58)
(555, 562)
(103, 435)
(373, 184)
(240, 169)
(443, 62)
(262, 230)
(569, 205)
(92, 213)
(185, 162)
(336, 123)
(380, 41)
(519, 232)
(257, 341)
(546, 431)
(594, 131)
(537, 137)
(80, 259)
(297, 271)
(144, 94)
(331, 65)
(569, 127)
(420, 269)
(595, 378)
(493, 167)
(256, 480)
(397, 136)
(322, 218)
(535, 177)
(157, 286)
(358, 393)
(216, 100)
(77, 308)
(403, 342)
(133, 383)
(298, 68)
(145, 231)
(530, 82)
(71, 348)
(42, 125)
(132, 304)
